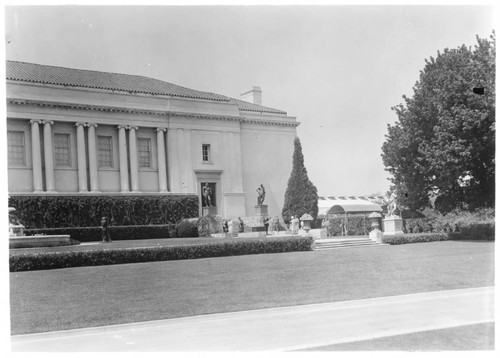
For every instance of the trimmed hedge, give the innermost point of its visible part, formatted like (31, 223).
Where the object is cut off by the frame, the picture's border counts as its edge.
(414, 238)
(187, 229)
(356, 225)
(86, 234)
(475, 232)
(54, 211)
(55, 260)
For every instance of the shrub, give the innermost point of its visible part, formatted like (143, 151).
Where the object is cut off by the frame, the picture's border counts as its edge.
(86, 234)
(54, 211)
(413, 238)
(208, 225)
(475, 232)
(356, 225)
(55, 260)
(187, 229)
(457, 219)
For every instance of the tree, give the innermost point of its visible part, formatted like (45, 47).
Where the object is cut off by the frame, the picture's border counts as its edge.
(442, 148)
(301, 195)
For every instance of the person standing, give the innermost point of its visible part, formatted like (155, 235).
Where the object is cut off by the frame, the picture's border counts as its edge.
(106, 237)
(241, 224)
(266, 224)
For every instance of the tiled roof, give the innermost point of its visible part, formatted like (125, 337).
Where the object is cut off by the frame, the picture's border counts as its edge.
(31, 72)
(247, 106)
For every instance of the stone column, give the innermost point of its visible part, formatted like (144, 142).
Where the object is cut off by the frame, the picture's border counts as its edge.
(122, 149)
(94, 179)
(173, 160)
(36, 156)
(82, 159)
(49, 156)
(162, 167)
(134, 168)
(188, 159)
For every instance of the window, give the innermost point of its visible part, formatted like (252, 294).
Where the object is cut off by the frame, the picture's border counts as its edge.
(144, 152)
(16, 149)
(105, 151)
(62, 149)
(205, 152)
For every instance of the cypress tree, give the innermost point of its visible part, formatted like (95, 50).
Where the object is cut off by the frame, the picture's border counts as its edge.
(301, 195)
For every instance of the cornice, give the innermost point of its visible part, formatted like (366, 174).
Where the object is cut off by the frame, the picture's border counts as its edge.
(111, 109)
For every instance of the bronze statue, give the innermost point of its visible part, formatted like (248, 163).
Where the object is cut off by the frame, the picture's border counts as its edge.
(261, 194)
(206, 195)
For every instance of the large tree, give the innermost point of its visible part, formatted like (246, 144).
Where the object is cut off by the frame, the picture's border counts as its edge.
(301, 196)
(442, 148)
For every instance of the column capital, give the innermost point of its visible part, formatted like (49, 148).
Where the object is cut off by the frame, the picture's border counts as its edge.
(160, 129)
(122, 126)
(38, 121)
(77, 124)
(133, 127)
(47, 122)
(91, 125)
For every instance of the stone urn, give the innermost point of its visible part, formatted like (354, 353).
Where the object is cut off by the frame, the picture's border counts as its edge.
(15, 227)
(306, 219)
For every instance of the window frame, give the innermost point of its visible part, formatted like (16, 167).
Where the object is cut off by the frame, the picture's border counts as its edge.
(99, 151)
(57, 163)
(23, 146)
(149, 152)
(206, 153)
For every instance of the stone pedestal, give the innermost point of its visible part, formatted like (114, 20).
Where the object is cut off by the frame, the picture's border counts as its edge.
(209, 210)
(393, 225)
(260, 210)
(376, 235)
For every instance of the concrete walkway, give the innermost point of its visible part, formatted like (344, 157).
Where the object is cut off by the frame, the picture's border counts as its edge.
(279, 329)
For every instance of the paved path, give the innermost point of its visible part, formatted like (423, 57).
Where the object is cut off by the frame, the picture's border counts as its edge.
(279, 329)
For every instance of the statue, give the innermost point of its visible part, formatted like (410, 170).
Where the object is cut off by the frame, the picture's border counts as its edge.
(392, 205)
(206, 195)
(261, 194)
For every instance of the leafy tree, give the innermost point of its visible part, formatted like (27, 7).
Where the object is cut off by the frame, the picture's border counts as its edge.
(301, 195)
(442, 148)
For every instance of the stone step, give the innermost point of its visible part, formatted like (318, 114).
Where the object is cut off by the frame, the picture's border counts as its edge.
(344, 243)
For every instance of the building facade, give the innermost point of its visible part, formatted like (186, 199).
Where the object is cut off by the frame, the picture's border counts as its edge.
(80, 132)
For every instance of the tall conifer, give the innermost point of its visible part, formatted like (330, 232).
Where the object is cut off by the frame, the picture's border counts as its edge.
(301, 195)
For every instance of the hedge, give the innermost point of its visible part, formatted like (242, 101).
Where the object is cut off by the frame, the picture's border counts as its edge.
(86, 234)
(54, 211)
(475, 232)
(55, 260)
(356, 225)
(414, 238)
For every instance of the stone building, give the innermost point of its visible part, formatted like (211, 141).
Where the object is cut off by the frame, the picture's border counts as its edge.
(81, 132)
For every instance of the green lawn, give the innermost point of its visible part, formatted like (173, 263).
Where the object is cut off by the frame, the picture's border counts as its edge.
(94, 296)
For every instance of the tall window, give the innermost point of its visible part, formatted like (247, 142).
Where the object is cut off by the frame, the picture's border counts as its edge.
(16, 148)
(62, 149)
(205, 152)
(105, 151)
(144, 152)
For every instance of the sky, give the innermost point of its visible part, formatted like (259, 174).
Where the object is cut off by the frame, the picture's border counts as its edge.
(337, 69)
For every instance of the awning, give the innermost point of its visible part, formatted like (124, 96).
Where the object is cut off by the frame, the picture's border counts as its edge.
(340, 207)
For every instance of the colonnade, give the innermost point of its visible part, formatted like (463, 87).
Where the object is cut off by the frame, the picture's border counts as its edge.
(126, 157)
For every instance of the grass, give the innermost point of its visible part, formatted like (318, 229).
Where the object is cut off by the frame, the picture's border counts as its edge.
(464, 338)
(94, 296)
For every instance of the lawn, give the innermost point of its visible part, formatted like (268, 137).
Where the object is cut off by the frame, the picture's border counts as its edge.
(95, 296)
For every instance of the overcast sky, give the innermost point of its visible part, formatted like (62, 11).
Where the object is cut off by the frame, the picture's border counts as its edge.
(338, 69)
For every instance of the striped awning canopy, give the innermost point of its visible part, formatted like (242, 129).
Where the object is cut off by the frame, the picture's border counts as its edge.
(335, 206)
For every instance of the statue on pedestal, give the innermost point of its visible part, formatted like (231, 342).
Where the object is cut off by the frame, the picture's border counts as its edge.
(261, 194)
